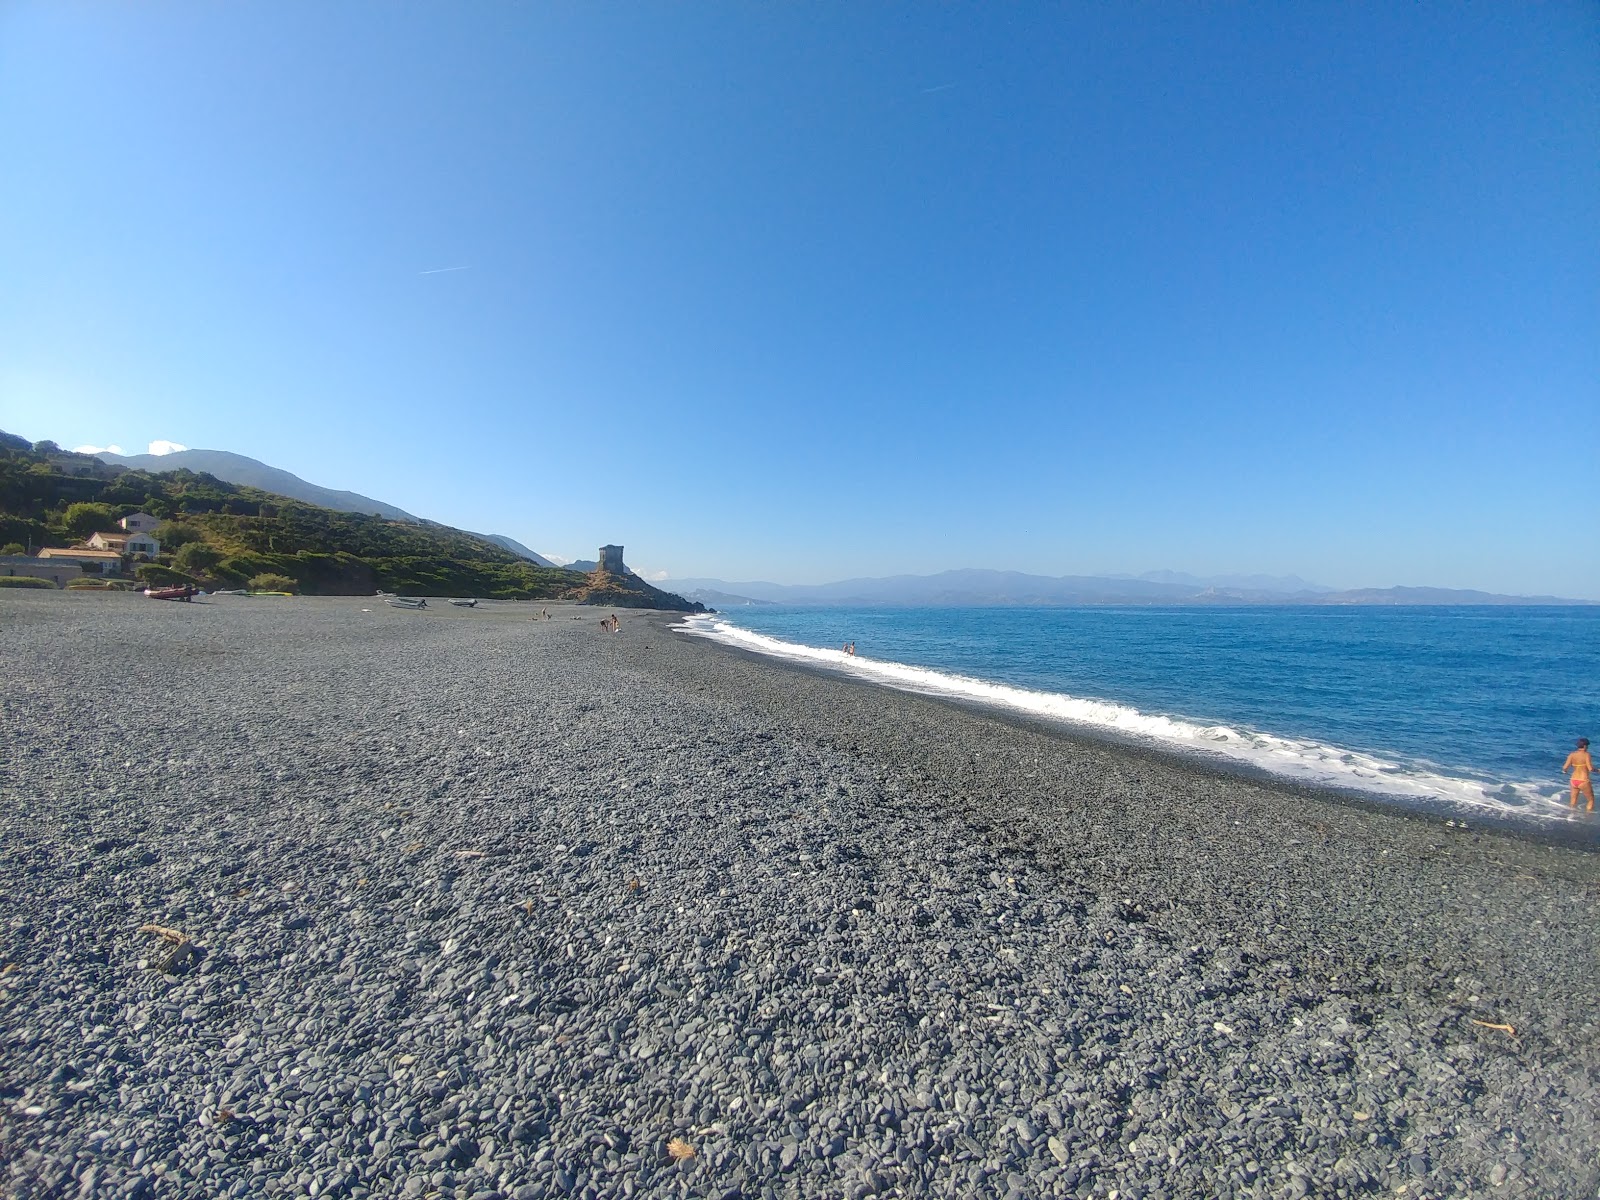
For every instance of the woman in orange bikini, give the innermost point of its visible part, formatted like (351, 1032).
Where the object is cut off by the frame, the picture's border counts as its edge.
(1581, 766)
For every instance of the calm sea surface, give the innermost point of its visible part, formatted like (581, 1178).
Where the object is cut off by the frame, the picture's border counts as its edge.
(1476, 707)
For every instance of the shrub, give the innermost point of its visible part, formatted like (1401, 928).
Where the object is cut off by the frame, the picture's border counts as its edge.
(83, 519)
(155, 573)
(270, 582)
(13, 548)
(236, 571)
(25, 581)
(173, 534)
(198, 558)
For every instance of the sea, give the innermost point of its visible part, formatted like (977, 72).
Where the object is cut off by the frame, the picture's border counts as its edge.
(1463, 710)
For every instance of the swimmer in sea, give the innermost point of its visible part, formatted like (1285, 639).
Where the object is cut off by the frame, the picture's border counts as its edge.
(1582, 767)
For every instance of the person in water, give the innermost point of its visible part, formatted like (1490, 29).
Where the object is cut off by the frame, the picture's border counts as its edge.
(1582, 767)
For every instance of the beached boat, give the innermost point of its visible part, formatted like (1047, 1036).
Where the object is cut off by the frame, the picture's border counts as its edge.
(182, 592)
(473, 603)
(405, 601)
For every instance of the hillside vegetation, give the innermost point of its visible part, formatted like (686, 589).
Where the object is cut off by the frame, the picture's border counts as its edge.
(221, 534)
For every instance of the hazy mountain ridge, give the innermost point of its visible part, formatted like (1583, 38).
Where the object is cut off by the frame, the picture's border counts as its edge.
(516, 547)
(1286, 584)
(977, 587)
(962, 587)
(249, 472)
(244, 471)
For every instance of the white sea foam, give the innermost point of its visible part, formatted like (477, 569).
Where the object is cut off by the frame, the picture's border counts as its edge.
(1298, 759)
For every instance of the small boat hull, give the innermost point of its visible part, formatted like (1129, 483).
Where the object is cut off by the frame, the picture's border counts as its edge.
(185, 592)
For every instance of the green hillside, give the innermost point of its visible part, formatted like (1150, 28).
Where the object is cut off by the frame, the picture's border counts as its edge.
(221, 534)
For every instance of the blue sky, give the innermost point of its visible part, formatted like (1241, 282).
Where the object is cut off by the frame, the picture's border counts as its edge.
(810, 291)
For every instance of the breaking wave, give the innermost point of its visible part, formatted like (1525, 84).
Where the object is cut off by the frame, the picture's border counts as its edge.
(1299, 759)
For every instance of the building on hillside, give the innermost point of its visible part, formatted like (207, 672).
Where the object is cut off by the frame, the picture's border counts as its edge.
(139, 522)
(59, 571)
(98, 562)
(611, 560)
(135, 545)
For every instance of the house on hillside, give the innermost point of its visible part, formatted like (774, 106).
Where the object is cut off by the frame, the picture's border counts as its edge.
(134, 545)
(98, 562)
(139, 522)
(58, 571)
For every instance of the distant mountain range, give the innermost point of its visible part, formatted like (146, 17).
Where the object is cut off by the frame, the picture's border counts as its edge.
(249, 472)
(950, 588)
(980, 587)
(1289, 585)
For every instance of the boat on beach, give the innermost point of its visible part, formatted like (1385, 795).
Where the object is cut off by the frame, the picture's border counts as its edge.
(473, 603)
(405, 602)
(184, 592)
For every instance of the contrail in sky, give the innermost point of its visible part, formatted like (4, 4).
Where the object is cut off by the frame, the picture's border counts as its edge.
(941, 88)
(443, 270)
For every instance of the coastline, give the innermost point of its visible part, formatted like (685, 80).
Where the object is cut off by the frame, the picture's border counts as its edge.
(880, 943)
(1575, 834)
(1234, 730)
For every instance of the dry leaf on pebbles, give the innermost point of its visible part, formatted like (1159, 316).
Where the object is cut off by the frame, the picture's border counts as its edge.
(678, 1150)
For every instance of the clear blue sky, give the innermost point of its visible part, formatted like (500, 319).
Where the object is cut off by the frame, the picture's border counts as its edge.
(801, 292)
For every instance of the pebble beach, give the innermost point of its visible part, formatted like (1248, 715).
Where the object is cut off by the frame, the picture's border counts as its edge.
(318, 897)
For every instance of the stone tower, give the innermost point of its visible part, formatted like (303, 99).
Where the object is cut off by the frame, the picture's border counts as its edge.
(610, 560)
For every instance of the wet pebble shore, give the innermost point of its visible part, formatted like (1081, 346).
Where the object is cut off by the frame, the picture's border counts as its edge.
(485, 906)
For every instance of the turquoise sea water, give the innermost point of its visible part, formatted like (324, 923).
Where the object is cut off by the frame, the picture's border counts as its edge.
(1472, 707)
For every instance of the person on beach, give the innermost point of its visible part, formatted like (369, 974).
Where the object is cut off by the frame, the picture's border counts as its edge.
(1581, 767)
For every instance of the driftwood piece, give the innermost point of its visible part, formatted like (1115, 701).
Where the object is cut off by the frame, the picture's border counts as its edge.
(1508, 1030)
(183, 951)
(175, 937)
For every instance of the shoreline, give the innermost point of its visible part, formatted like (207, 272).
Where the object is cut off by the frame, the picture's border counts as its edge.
(1575, 834)
(494, 906)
